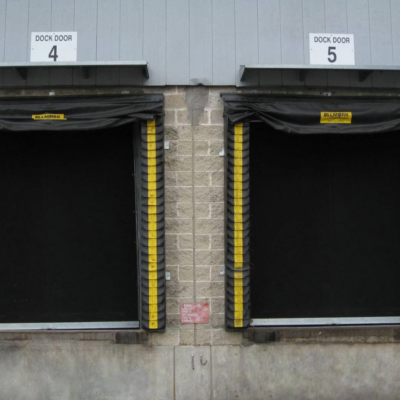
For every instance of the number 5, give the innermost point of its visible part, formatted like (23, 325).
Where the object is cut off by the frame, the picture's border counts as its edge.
(332, 53)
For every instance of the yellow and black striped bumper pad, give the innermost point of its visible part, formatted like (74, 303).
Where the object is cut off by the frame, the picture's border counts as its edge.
(238, 228)
(152, 270)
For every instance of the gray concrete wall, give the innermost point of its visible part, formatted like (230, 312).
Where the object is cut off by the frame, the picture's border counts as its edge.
(102, 370)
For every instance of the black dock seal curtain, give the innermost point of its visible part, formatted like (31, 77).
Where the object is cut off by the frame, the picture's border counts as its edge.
(93, 113)
(290, 115)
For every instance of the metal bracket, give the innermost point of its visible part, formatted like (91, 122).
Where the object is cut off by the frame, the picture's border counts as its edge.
(168, 276)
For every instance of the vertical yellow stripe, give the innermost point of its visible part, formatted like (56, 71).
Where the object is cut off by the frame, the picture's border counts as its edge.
(238, 218)
(152, 225)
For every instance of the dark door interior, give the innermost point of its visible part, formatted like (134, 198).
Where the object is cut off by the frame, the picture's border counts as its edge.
(325, 224)
(68, 226)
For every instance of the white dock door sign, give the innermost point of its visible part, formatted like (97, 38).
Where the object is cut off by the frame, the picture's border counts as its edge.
(53, 46)
(331, 49)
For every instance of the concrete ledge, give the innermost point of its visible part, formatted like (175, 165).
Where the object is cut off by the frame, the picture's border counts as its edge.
(127, 336)
(334, 334)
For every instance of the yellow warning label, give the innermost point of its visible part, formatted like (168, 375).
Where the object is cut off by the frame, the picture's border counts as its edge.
(338, 117)
(60, 117)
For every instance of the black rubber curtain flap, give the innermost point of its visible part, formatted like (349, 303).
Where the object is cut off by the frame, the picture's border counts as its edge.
(311, 115)
(77, 113)
(54, 114)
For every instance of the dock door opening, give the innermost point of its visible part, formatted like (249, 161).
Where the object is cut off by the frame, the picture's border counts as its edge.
(313, 219)
(82, 213)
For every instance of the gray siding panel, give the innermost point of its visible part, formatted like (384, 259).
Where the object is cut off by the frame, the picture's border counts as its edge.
(201, 42)
(108, 40)
(178, 42)
(358, 25)
(269, 40)
(313, 22)
(39, 21)
(131, 42)
(381, 41)
(85, 23)
(292, 39)
(246, 32)
(154, 39)
(62, 20)
(224, 59)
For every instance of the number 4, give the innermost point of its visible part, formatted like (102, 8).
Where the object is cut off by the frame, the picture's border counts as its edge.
(330, 53)
(53, 53)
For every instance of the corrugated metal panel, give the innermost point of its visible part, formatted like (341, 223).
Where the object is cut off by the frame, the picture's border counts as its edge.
(202, 41)
(178, 42)
(131, 42)
(85, 24)
(246, 30)
(62, 19)
(224, 59)
(39, 21)
(269, 40)
(154, 40)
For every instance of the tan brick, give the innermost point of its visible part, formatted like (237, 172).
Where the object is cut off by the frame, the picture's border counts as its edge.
(185, 210)
(171, 210)
(201, 148)
(202, 178)
(185, 147)
(183, 117)
(217, 289)
(174, 101)
(221, 337)
(167, 90)
(171, 242)
(171, 178)
(202, 274)
(209, 257)
(203, 337)
(203, 242)
(202, 210)
(217, 178)
(173, 270)
(185, 241)
(178, 194)
(217, 306)
(217, 90)
(187, 337)
(217, 210)
(173, 149)
(178, 225)
(180, 257)
(209, 226)
(208, 163)
(215, 147)
(185, 178)
(180, 289)
(205, 118)
(217, 241)
(173, 305)
(216, 274)
(209, 194)
(178, 132)
(179, 163)
(217, 320)
(217, 117)
(186, 274)
(201, 327)
(215, 102)
(203, 289)
(168, 338)
(208, 132)
(173, 322)
(170, 117)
